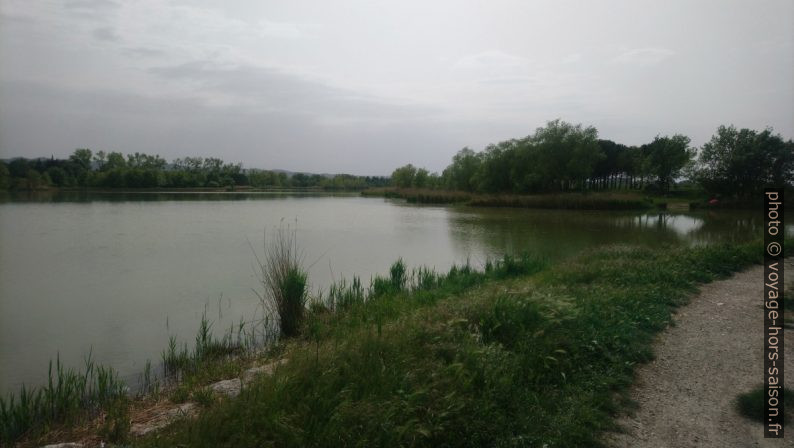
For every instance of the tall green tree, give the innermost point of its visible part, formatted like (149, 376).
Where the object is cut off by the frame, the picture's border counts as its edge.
(461, 174)
(5, 177)
(82, 158)
(421, 178)
(567, 154)
(115, 160)
(403, 176)
(742, 162)
(496, 163)
(667, 158)
(18, 167)
(34, 180)
(57, 175)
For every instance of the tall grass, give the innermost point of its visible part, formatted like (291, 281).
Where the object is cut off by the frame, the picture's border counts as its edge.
(284, 281)
(180, 360)
(71, 396)
(423, 283)
(520, 361)
(342, 295)
(68, 396)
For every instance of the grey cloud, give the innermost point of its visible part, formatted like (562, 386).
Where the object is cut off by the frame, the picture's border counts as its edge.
(177, 127)
(365, 88)
(96, 11)
(105, 34)
(274, 90)
(16, 18)
(493, 60)
(644, 56)
(143, 52)
(90, 5)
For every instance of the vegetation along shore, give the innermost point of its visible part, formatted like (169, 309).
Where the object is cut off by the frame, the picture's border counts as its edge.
(570, 163)
(560, 165)
(520, 352)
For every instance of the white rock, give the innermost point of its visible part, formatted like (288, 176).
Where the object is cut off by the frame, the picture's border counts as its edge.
(230, 388)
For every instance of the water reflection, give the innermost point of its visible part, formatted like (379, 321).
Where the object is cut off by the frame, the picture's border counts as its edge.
(557, 233)
(108, 270)
(79, 196)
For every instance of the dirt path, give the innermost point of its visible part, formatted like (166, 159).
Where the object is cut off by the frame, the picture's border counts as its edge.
(714, 352)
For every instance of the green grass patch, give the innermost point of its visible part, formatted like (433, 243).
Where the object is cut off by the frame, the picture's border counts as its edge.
(514, 355)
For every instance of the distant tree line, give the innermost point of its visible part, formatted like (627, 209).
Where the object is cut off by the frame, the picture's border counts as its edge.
(85, 168)
(563, 157)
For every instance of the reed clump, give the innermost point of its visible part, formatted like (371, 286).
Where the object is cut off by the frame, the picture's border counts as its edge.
(284, 281)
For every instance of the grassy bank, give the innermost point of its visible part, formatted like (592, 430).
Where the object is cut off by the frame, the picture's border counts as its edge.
(514, 356)
(572, 201)
(95, 402)
(95, 405)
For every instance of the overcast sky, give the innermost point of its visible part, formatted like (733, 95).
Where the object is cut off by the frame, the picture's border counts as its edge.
(365, 86)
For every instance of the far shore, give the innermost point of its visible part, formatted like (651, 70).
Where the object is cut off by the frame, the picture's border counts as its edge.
(680, 200)
(676, 200)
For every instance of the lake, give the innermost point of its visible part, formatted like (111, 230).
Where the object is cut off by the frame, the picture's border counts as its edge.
(117, 274)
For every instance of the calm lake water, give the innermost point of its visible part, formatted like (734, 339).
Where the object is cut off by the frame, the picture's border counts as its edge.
(116, 274)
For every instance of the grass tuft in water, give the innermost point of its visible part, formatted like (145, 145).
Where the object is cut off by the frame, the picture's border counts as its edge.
(284, 282)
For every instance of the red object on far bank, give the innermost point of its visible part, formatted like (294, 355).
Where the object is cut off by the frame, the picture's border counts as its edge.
(714, 201)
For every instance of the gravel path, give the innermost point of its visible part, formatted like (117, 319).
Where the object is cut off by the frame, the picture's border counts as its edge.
(714, 352)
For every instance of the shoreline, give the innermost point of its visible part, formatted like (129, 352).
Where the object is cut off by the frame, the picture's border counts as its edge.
(602, 200)
(617, 200)
(681, 200)
(464, 294)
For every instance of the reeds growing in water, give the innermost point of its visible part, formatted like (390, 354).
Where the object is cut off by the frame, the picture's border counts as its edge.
(68, 395)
